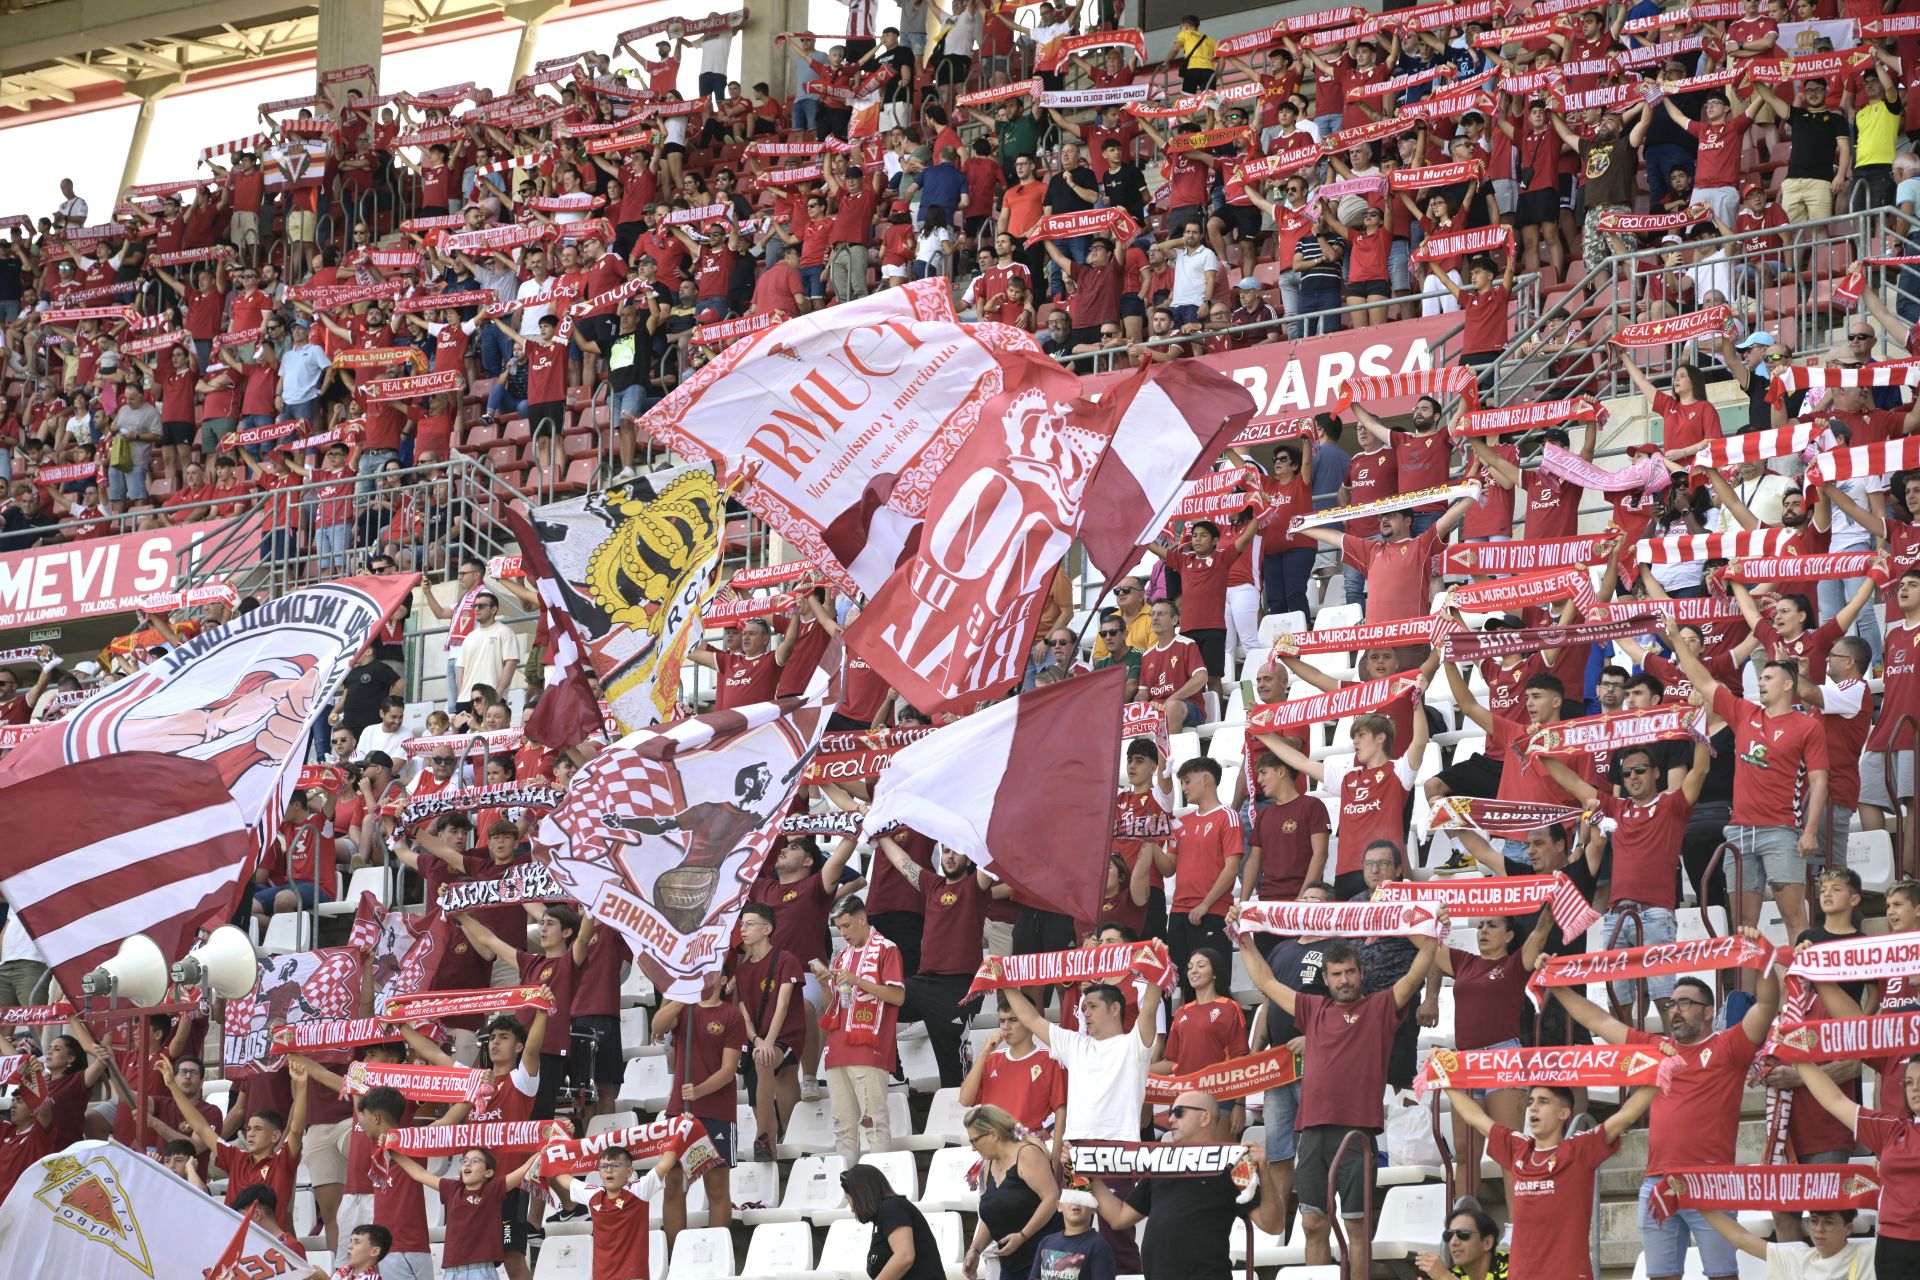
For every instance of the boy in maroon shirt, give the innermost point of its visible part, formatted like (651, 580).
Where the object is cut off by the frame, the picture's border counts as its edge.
(1204, 566)
(564, 936)
(272, 1150)
(769, 986)
(704, 1084)
(473, 1201)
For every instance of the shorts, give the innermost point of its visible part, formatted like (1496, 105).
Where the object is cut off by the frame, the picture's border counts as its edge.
(1475, 775)
(1369, 289)
(302, 225)
(243, 227)
(1212, 643)
(602, 1063)
(407, 1266)
(812, 281)
(1873, 778)
(214, 431)
(1243, 220)
(176, 433)
(893, 271)
(1318, 1144)
(673, 149)
(469, 1271)
(355, 1211)
(304, 891)
(630, 403)
(1506, 194)
(720, 1133)
(1278, 1108)
(326, 1151)
(1665, 1244)
(1769, 856)
(513, 1221)
(1180, 217)
(1838, 822)
(1537, 208)
(1130, 305)
(1480, 1094)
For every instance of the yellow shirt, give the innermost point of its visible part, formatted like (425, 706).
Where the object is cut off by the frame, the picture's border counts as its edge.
(1879, 128)
(1196, 48)
(1139, 635)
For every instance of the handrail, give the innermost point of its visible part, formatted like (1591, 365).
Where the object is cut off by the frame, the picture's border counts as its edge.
(1445, 1147)
(1706, 879)
(1890, 764)
(1628, 912)
(1356, 1255)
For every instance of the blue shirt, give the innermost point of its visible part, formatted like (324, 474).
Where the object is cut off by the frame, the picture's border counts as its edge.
(301, 372)
(942, 185)
(804, 75)
(1329, 472)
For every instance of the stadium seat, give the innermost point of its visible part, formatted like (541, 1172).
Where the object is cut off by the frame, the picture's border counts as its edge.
(844, 1255)
(780, 1251)
(942, 1127)
(366, 880)
(565, 1258)
(612, 1120)
(903, 1175)
(916, 1058)
(809, 1130)
(755, 1182)
(703, 1253)
(947, 1187)
(287, 932)
(1870, 855)
(1411, 1219)
(636, 1034)
(646, 1084)
(813, 1189)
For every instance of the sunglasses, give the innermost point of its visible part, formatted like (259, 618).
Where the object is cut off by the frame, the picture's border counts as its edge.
(1462, 1234)
(1634, 771)
(1111, 635)
(1859, 337)
(1124, 591)
(1177, 1112)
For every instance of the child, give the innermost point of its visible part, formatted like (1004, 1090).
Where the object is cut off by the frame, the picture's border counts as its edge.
(178, 1155)
(473, 1201)
(266, 1215)
(1078, 1252)
(619, 1213)
(272, 1150)
(361, 1261)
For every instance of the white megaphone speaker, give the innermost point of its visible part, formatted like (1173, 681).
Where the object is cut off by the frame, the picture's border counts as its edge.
(224, 962)
(137, 975)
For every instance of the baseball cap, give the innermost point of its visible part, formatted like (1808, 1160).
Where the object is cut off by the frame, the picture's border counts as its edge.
(1748, 187)
(1760, 338)
(1248, 282)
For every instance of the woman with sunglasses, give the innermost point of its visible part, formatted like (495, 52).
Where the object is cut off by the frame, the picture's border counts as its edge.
(1471, 1244)
(1019, 1195)
(903, 1246)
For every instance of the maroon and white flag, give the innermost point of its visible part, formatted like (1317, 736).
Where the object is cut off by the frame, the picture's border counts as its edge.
(663, 833)
(200, 752)
(1024, 788)
(952, 624)
(1170, 421)
(838, 424)
(322, 985)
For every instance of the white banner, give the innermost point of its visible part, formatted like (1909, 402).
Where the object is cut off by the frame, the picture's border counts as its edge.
(105, 1212)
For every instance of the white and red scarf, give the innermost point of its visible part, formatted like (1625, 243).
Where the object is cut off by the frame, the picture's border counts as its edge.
(1340, 919)
(1243, 1077)
(1525, 556)
(1819, 568)
(1542, 587)
(1528, 417)
(1441, 493)
(1472, 646)
(492, 1135)
(1686, 548)
(1465, 896)
(1323, 708)
(1358, 639)
(1632, 224)
(1710, 322)
(1756, 446)
(1146, 960)
(855, 1012)
(420, 1082)
(1507, 819)
(1454, 244)
(1883, 1035)
(1865, 460)
(1655, 961)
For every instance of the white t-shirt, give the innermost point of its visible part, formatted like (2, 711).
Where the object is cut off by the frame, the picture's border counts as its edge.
(1190, 276)
(1106, 1083)
(530, 316)
(375, 738)
(484, 656)
(714, 51)
(1800, 1262)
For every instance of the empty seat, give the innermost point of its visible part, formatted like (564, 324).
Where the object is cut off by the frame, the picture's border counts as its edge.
(366, 880)
(844, 1255)
(903, 1175)
(756, 1183)
(1411, 1219)
(612, 1120)
(947, 1187)
(705, 1253)
(780, 1249)
(1870, 854)
(809, 1130)
(646, 1085)
(917, 1060)
(942, 1128)
(812, 1194)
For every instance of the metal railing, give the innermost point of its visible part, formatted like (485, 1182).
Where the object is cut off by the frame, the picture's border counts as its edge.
(1565, 351)
(1355, 1253)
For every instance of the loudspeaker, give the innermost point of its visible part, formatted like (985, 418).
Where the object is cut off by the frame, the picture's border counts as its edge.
(225, 962)
(137, 975)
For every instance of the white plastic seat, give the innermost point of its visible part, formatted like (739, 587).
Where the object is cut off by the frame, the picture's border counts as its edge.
(844, 1255)
(646, 1084)
(809, 1130)
(704, 1253)
(949, 1235)
(1870, 854)
(612, 1120)
(636, 1034)
(942, 1129)
(565, 1257)
(288, 932)
(755, 1182)
(635, 989)
(812, 1194)
(917, 1060)
(903, 1175)
(1337, 615)
(779, 1250)
(1411, 1219)
(947, 1188)
(366, 880)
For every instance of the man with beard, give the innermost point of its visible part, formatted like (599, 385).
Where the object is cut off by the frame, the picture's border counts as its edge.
(950, 946)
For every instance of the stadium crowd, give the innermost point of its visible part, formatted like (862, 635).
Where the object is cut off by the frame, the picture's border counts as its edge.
(895, 160)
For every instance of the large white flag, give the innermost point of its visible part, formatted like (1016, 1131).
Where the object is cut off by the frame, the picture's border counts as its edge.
(102, 1211)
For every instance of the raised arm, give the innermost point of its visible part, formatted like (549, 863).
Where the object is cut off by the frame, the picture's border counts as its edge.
(1628, 1113)
(1591, 1016)
(1030, 1018)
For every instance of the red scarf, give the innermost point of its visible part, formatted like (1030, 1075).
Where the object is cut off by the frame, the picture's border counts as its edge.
(1799, 1188)
(1569, 1066)
(1234, 1078)
(1087, 964)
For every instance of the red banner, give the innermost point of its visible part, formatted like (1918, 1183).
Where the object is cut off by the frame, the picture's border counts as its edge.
(1622, 1066)
(1324, 708)
(1790, 1188)
(498, 1136)
(1360, 638)
(85, 579)
(1527, 417)
(1454, 244)
(1087, 964)
(411, 388)
(1110, 222)
(1235, 1078)
(456, 1004)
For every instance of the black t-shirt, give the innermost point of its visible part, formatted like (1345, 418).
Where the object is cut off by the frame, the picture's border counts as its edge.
(1816, 143)
(1187, 1224)
(1558, 944)
(12, 282)
(1062, 198)
(895, 1212)
(1125, 187)
(900, 58)
(19, 530)
(1820, 933)
(367, 687)
(1300, 965)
